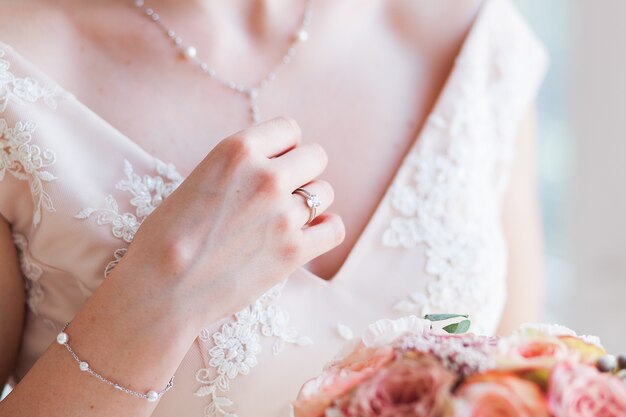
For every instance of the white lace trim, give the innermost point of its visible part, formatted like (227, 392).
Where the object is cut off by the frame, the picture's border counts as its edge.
(18, 156)
(27, 89)
(344, 331)
(118, 255)
(147, 194)
(416, 301)
(26, 162)
(450, 203)
(237, 344)
(31, 272)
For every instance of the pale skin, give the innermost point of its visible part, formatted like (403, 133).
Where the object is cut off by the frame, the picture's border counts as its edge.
(119, 65)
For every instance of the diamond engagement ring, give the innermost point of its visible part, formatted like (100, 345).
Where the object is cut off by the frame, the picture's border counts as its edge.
(312, 201)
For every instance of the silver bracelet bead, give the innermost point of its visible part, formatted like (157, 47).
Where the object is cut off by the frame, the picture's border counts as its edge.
(152, 396)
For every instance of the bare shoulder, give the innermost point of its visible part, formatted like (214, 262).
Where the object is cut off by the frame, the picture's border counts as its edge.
(44, 33)
(11, 302)
(38, 29)
(21, 19)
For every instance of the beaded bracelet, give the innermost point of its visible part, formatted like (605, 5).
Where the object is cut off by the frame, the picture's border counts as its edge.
(63, 339)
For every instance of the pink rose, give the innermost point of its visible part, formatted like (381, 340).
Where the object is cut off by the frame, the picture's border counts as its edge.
(588, 352)
(409, 387)
(365, 359)
(533, 352)
(577, 390)
(544, 347)
(318, 394)
(502, 395)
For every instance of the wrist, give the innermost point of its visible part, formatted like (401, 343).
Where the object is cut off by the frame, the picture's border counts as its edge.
(134, 337)
(166, 290)
(150, 303)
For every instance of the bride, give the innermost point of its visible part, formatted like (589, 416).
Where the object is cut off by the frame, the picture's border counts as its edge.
(155, 196)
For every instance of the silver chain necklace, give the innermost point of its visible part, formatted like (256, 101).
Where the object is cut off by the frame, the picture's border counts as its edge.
(251, 93)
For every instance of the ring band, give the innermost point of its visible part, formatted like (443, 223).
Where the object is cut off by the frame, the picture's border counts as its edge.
(312, 202)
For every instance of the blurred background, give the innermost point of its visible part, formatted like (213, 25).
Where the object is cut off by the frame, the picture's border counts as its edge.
(582, 167)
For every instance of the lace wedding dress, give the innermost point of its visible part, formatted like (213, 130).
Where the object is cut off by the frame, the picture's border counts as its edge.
(75, 191)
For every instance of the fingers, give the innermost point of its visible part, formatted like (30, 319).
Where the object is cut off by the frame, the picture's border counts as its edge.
(274, 137)
(301, 165)
(325, 233)
(325, 195)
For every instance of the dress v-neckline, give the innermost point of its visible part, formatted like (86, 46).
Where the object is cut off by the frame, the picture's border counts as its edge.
(416, 142)
(413, 148)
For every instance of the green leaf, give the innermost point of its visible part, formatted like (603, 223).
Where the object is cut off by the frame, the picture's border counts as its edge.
(458, 328)
(440, 317)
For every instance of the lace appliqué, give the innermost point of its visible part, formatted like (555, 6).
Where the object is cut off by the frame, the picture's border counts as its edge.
(26, 162)
(118, 255)
(451, 204)
(31, 272)
(147, 194)
(237, 344)
(415, 302)
(344, 331)
(29, 90)
(18, 156)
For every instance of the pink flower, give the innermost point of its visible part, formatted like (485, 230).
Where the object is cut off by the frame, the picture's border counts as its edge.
(502, 395)
(409, 387)
(318, 394)
(587, 349)
(463, 354)
(365, 359)
(532, 352)
(577, 390)
(544, 347)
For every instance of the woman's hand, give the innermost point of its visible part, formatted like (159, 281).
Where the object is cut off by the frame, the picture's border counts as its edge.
(229, 232)
(233, 228)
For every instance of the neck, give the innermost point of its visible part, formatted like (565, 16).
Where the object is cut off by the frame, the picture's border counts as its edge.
(261, 17)
(219, 27)
(223, 7)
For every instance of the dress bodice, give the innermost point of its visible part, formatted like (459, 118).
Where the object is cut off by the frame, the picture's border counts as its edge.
(75, 191)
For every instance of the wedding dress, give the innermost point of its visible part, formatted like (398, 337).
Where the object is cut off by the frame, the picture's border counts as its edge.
(75, 191)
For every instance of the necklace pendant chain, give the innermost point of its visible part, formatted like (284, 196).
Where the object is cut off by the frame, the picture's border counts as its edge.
(251, 93)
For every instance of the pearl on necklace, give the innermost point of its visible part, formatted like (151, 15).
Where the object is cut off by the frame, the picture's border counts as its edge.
(191, 52)
(251, 93)
(303, 35)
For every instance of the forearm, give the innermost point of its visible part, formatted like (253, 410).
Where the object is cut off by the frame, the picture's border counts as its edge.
(524, 294)
(229, 232)
(11, 303)
(522, 227)
(129, 341)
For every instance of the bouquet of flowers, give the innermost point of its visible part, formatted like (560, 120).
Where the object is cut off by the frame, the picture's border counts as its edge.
(410, 368)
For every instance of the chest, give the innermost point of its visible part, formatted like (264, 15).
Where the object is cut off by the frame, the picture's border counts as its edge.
(362, 90)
